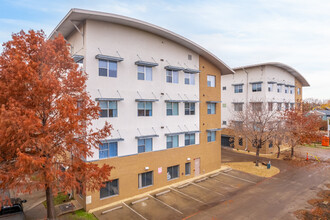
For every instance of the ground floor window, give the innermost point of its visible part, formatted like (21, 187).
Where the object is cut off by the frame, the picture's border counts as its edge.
(187, 168)
(145, 179)
(172, 172)
(240, 141)
(111, 188)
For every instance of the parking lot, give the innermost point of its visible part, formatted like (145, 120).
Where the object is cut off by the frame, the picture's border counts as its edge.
(184, 200)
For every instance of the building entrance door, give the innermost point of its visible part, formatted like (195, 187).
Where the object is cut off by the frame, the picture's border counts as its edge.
(197, 166)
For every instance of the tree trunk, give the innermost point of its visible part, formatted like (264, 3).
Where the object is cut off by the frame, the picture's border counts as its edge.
(50, 203)
(279, 151)
(292, 151)
(257, 155)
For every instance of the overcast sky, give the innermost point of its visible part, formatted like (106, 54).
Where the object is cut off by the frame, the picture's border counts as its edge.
(239, 32)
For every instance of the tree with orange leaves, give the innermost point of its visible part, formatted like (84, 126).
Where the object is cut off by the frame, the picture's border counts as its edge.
(301, 128)
(45, 119)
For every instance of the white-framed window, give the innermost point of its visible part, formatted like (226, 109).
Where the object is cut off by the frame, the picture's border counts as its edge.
(211, 108)
(210, 81)
(107, 68)
(108, 109)
(172, 76)
(210, 136)
(279, 106)
(270, 87)
(144, 73)
(189, 78)
(286, 106)
(173, 172)
(298, 91)
(144, 108)
(172, 108)
(238, 88)
(256, 106)
(146, 179)
(256, 87)
(189, 108)
(108, 150)
(291, 90)
(172, 141)
(286, 89)
(187, 168)
(144, 145)
(189, 139)
(238, 107)
(111, 188)
(279, 88)
(291, 106)
(270, 106)
(224, 122)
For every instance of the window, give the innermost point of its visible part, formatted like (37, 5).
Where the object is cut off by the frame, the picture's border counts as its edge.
(270, 87)
(111, 188)
(145, 73)
(108, 150)
(256, 106)
(238, 107)
(189, 139)
(279, 88)
(291, 106)
(210, 136)
(145, 179)
(270, 144)
(107, 68)
(286, 89)
(172, 108)
(240, 141)
(210, 81)
(224, 88)
(298, 91)
(189, 108)
(211, 108)
(224, 122)
(291, 90)
(172, 76)
(189, 78)
(172, 141)
(108, 109)
(279, 106)
(270, 106)
(172, 172)
(238, 88)
(144, 108)
(256, 87)
(286, 106)
(144, 145)
(187, 168)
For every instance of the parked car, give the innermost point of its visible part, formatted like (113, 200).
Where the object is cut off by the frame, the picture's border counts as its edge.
(13, 210)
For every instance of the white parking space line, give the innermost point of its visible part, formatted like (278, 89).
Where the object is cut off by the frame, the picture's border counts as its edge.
(225, 183)
(166, 204)
(135, 211)
(187, 195)
(110, 210)
(238, 178)
(208, 189)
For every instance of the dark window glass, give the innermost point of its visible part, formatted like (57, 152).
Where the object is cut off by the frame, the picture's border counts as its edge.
(145, 179)
(172, 172)
(111, 188)
(187, 168)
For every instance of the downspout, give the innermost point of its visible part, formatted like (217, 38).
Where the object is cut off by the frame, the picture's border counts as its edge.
(246, 105)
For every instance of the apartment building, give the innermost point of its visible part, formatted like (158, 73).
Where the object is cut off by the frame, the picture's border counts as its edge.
(159, 90)
(275, 86)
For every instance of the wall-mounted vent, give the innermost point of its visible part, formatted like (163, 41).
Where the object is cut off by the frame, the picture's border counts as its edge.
(189, 57)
